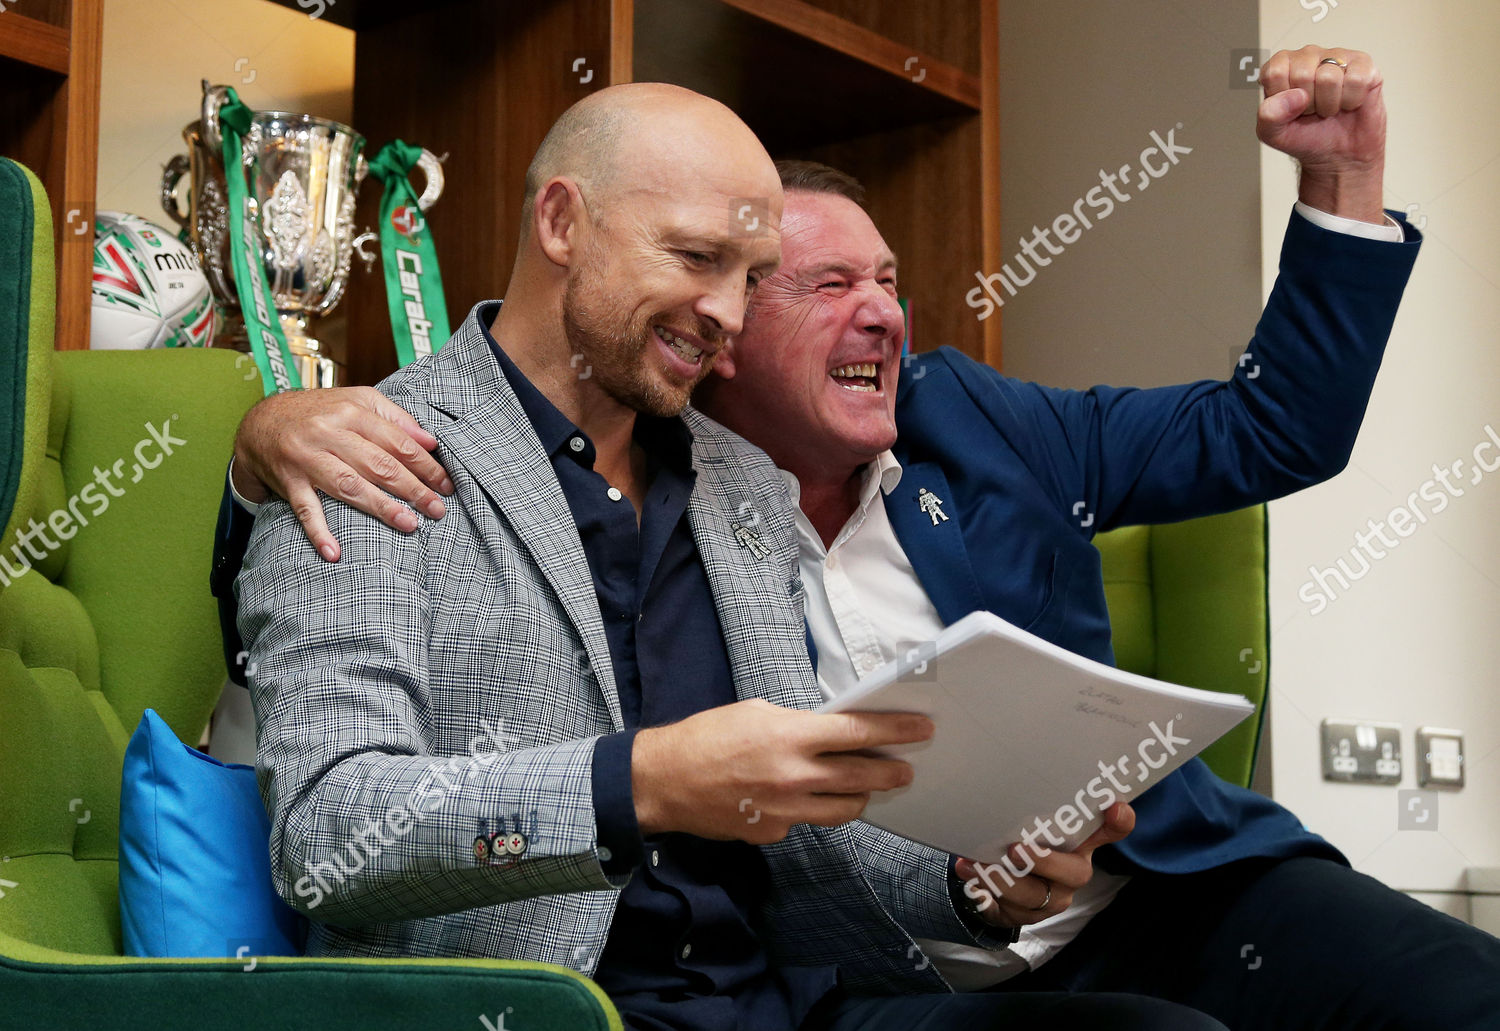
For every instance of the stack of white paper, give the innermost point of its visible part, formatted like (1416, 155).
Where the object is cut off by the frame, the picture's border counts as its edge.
(1029, 736)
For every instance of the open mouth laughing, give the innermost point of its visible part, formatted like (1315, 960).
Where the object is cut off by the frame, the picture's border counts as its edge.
(860, 377)
(689, 352)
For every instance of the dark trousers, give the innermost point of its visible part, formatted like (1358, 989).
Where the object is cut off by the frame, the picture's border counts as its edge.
(1277, 946)
(987, 1011)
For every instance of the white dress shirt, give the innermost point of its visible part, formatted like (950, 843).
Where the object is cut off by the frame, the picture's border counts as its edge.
(864, 602)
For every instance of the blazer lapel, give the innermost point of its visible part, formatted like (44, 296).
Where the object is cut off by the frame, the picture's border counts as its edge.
(493, 440)
(742, 525)
(934, 545)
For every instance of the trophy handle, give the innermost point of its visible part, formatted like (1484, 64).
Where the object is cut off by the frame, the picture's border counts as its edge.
(360, 242)
(432, 173)
(171, 175)
(432, 176)
(214, 97)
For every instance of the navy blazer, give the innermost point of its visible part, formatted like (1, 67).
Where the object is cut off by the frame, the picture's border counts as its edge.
(1028, 474)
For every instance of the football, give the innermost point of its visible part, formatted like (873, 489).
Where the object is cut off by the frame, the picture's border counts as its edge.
(148, 290)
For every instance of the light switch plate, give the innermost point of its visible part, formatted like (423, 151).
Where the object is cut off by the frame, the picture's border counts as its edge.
(1440, 758)
(1361, 751)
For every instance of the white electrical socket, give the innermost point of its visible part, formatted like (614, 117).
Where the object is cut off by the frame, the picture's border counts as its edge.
(1361, 750)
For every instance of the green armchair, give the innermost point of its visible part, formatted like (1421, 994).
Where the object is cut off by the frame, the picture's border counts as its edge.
(1187, 604)
(111, 468)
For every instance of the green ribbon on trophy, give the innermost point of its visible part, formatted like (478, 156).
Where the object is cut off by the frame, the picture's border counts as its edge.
(413, 284)
(278, 370)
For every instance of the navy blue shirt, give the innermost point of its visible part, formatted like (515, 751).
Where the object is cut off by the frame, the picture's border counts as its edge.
(683, 951)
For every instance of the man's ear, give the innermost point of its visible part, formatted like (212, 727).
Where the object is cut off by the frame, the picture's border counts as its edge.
(723, 366)
(555, 217)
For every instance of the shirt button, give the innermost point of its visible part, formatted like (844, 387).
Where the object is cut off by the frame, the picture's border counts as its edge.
(614, 494)
(605, 855)
(655, 858)
(576, 443)
(687, 950)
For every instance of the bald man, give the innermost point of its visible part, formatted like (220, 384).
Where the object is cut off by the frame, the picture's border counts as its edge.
(450, 721)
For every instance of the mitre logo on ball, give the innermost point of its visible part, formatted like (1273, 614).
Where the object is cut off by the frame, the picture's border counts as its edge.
(148, 290)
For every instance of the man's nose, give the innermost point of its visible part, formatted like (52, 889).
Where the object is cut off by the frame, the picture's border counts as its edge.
(880, 315)
(724, 306)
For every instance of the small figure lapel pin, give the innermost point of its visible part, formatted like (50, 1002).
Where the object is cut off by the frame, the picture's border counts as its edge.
(749, 539)
(932, 505)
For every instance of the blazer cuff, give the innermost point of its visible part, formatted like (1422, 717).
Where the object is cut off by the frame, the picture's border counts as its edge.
(620, 846)
(231, 537)
(1373, 266)
(985, 934)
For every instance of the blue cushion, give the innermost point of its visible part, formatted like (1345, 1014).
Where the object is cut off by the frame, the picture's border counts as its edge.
(195, 868)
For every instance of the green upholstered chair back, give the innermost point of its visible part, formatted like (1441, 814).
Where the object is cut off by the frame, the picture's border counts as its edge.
(1187, 604)
(27, 288)
(104, 601)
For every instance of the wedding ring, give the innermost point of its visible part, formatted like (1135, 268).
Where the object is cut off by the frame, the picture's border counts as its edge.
(1334, 61)
(1045, 901)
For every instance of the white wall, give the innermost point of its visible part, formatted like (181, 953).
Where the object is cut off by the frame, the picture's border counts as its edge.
(1415, 640)
(154, 56)
(1164, 289)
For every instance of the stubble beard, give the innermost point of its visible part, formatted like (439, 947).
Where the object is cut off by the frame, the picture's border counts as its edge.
(617, 347)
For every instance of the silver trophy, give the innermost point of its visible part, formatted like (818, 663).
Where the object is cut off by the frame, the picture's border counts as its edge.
(303, 174)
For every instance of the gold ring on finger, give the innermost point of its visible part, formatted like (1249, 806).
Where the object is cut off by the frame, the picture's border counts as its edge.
(1045, 901)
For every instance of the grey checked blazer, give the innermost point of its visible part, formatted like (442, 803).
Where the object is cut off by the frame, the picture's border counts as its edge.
(425, 684)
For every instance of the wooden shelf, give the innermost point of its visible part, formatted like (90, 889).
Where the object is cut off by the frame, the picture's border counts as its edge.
(904, 62)
(358, 14)
(49, 122)
(796, 74)
(34, 42)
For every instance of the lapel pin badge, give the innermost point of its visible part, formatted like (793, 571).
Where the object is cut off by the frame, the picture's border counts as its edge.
(932, 505)
(750, 540)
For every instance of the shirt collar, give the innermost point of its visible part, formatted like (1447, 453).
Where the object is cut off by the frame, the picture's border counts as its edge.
(883, 473)
(889, 471)
(667, 439)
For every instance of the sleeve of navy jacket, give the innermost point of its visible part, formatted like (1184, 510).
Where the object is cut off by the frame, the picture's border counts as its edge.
(1287, 418)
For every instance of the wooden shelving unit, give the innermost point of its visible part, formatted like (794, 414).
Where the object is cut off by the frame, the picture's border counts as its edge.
(905, 96)
(902, 95)
(49, 121)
